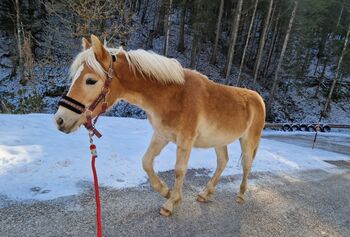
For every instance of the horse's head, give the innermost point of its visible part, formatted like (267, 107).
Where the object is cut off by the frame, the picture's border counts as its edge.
(89, 73)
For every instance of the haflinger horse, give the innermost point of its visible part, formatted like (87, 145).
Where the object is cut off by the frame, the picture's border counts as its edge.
(182, 105)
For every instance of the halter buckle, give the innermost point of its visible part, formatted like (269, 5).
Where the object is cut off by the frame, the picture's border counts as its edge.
(105, 90)
(110, 73)
(88, 113)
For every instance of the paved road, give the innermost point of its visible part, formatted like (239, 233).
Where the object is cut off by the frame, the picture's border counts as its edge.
(340, 144)
(309, 203)
(312, 203)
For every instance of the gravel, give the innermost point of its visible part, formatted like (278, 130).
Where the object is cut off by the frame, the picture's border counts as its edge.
(307, 203)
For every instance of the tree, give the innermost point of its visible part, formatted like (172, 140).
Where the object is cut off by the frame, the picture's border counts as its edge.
(233, 39)
(217, 32)
(337, 73)
(167, 28)
(19, 27)
(247, 42)
(340, 15)
(144, 13)
(162, 17)
(280, 61)
(194, 50)
(274, 39)
(181, 42)
(201, 25)
(262, 42)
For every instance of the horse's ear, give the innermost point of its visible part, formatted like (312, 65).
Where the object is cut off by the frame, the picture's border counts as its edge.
(85, 43)
(99, 50)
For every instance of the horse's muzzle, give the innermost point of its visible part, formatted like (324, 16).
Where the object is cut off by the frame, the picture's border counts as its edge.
(66, 120)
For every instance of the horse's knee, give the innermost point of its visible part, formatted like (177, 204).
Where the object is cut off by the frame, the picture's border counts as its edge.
(180, 172)
(147, 165)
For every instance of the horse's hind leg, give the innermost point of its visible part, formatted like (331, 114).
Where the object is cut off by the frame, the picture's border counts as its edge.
(157, 144)
(249, 146)
(222, 158)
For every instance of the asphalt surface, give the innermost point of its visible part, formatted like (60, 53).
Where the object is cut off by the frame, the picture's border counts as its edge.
(339, 144)
(312, 203)
(308, 203)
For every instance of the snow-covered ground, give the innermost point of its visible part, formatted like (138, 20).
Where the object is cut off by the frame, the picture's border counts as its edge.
(39, 162)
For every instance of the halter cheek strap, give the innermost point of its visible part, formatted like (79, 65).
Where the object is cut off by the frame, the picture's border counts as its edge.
(79, 108)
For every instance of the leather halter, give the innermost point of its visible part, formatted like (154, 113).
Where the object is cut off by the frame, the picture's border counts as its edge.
(79, 108)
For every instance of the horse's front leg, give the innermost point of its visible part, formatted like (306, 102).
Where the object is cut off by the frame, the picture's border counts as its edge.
(155, 147)
(182, 156)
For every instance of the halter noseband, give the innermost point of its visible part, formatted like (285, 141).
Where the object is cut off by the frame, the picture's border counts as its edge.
(79, 108)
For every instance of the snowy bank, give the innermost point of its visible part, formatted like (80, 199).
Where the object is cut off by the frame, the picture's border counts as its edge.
(39, 162)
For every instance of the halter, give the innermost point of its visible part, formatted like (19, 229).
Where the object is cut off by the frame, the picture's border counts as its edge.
(79, 108)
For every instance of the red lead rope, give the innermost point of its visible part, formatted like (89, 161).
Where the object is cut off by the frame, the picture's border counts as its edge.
(97, 193)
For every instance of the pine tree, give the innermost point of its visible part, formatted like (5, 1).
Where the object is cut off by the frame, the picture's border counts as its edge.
(280, 61)
(262, 42)
(217, 32)
(181, 42)
(233, 39)
(19, 27)
(247, 42)
(337, 73)
(167, 28)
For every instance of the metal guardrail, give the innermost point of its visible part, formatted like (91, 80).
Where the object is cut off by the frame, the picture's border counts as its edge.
(307, 127)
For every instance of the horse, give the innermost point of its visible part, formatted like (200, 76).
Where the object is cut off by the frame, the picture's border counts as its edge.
(183, 106)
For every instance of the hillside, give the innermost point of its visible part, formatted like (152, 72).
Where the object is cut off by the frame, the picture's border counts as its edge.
(300, 96)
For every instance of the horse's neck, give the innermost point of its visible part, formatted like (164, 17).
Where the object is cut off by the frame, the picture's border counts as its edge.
(145, 93)
(151, 95)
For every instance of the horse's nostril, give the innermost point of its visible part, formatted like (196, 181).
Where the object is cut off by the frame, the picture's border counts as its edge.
(59, 121)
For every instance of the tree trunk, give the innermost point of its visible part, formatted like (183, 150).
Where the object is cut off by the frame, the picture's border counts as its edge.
(337, 73)
(233, 38)
(20, 44)
(306, 63)
(262, 42)
(256, 24)
(194, 50)
(321, 76)
(272, 16)
(340, 15)
(162, 17)
(138, 5)
(151, 35)
(181, 43)
(217, 33)
(280, 61)
(274, 38)
(167, 28)
(144, 13)
(247, 41)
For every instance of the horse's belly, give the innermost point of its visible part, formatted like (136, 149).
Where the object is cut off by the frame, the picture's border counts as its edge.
(219, 133)
(206, 139)
(212, 142)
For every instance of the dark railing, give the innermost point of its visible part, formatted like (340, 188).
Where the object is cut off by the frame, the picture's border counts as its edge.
(307, 127)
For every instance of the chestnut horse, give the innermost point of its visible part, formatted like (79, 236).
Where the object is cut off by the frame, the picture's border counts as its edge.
(182, 105)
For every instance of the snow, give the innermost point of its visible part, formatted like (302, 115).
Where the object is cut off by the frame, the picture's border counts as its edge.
(39, 162)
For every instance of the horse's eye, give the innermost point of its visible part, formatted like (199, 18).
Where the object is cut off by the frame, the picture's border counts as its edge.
(90, 81)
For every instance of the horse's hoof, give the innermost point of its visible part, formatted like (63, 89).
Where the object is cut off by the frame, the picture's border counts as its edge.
(239, 199)
(164, 212)
(201, 199)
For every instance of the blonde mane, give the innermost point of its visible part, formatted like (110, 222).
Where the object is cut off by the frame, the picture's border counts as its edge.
(147, 63)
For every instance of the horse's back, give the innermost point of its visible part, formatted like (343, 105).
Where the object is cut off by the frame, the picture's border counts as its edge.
(225, 113)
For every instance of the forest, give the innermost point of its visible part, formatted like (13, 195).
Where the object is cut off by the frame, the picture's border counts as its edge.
(295, 53)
